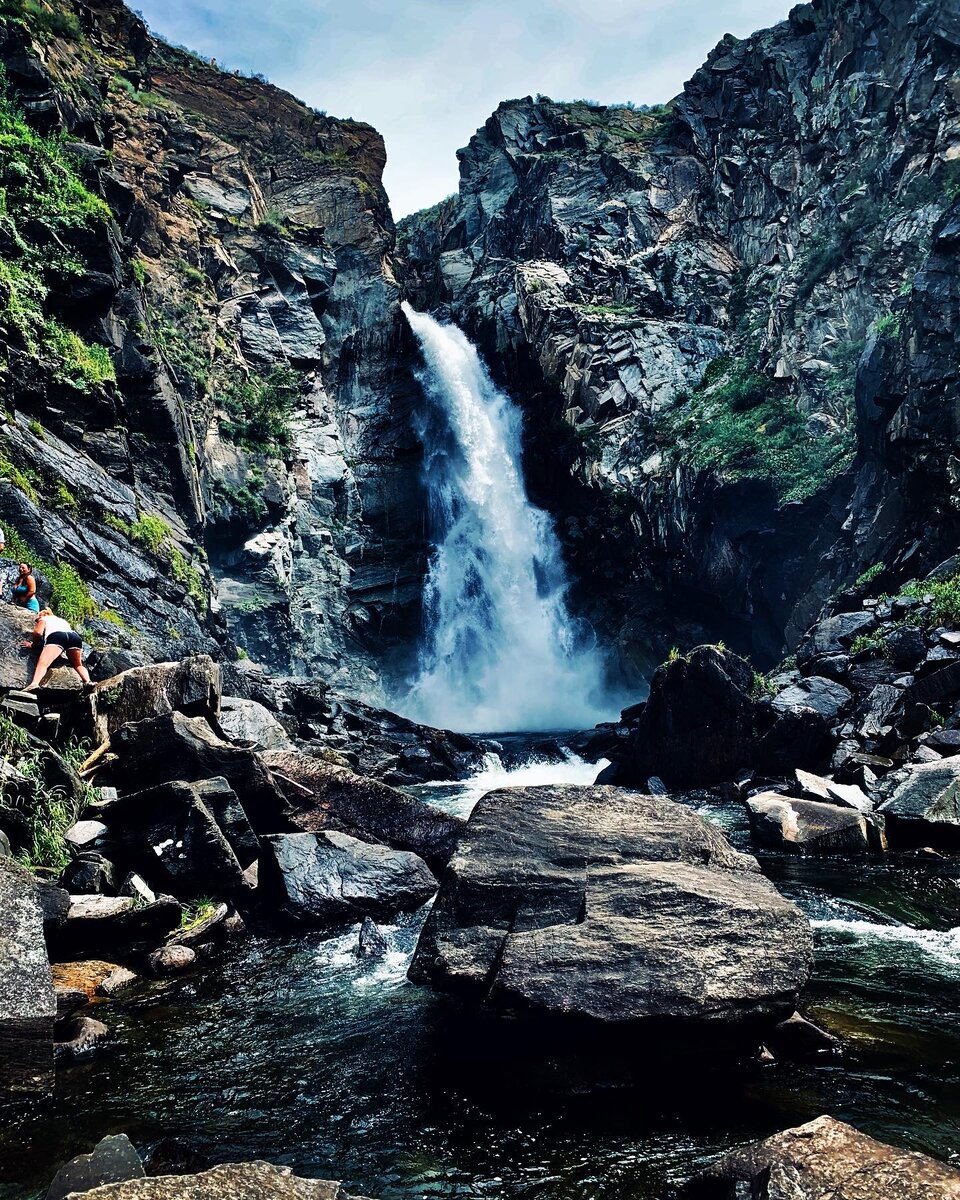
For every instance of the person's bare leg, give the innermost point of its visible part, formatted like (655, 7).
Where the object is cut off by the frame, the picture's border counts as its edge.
(76, 662)
(48, 656)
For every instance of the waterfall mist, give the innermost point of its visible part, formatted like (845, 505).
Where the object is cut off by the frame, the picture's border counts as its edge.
(500, 651)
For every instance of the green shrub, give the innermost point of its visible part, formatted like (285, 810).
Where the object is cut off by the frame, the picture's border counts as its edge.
(46, 20)
(273, 224)
(872, 643)
(746, 428)
(258, 411)
(869, 575)
(945, 597)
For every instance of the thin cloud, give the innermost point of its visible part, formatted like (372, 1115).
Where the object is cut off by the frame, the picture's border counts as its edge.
(427, 73)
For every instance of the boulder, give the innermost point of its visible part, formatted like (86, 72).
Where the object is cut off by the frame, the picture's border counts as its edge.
(806, 826)
(828, 791)
(169, 835)
(185, 749)
(172, 960)
(27, 1002)
(824, 1159)
(924, 810)
(112, 1160)
(696, 729)
(330, 878)
(98, 925)
(90, 874)
(798, 736)
(824, 696)
(331, 797)
(91, 977)
(80, 1035)
(371, 943)
(834, 635)
(85, 835)
(602, 907)
(252, 724)
(232, 1181)
(191, 687)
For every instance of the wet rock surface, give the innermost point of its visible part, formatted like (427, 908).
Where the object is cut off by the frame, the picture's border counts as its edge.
(236, 1181)
(605, 906)
(824, 1158)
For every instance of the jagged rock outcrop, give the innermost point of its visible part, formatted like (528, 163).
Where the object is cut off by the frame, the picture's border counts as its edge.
(217, 369)
(730, 317)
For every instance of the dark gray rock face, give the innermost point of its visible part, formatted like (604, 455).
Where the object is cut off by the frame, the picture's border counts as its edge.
(644, 278)
(112, 926)
(697, 727)
(824, 1158)
(605, 907)
(332, 879)
(173, 747)
(27, 1002)
(925, 808)
(112, 1160)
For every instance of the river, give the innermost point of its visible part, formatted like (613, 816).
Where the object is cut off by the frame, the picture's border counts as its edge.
(294, 1050)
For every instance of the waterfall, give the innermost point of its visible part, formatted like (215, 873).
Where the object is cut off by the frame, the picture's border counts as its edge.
(500, 650)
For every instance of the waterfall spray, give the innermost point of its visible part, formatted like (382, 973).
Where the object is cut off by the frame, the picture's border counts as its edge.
(500, 650)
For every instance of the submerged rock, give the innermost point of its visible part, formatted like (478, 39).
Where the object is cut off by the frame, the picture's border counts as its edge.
(614, 909)
(112, 1160)
(332, 879)
(27, 1002)
(825, 1159)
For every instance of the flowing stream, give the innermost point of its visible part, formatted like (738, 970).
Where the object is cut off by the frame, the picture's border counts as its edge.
(297, 1051)
(500, 649)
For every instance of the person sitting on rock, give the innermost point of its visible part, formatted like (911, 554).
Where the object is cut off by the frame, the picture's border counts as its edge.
(25, 588)
(54, 636)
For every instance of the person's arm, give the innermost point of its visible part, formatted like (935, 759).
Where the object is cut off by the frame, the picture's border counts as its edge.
(38, 628)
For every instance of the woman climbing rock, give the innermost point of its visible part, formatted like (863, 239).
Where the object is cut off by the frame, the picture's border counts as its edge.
(25, 588)
(54, 636)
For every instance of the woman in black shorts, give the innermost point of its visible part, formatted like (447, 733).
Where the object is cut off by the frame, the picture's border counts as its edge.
(55, 636)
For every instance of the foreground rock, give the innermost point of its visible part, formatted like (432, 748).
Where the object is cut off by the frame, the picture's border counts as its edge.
(114, 925)
(616, 909)
(234, 1181)
(190, 686)
(332, 879)
(825, 1160)
(331, 797)
(27, 1002)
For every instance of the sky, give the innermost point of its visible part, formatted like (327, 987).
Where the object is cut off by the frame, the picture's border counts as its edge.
(428, 73)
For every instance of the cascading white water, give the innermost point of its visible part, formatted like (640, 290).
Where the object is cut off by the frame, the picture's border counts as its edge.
(500, 650)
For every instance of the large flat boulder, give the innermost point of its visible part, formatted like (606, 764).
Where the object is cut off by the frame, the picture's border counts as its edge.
(331, 797)
(233, 1181)
(825, 1159)
(332, 879)
(615, 908)
(697, 727)
(924, 810)
(114, 926)
(174, 747)
(28, 1005)
(252, 724)
(190, 686)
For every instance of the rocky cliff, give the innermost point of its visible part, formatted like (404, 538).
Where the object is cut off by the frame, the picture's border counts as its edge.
(732, 320)
(200, 344)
